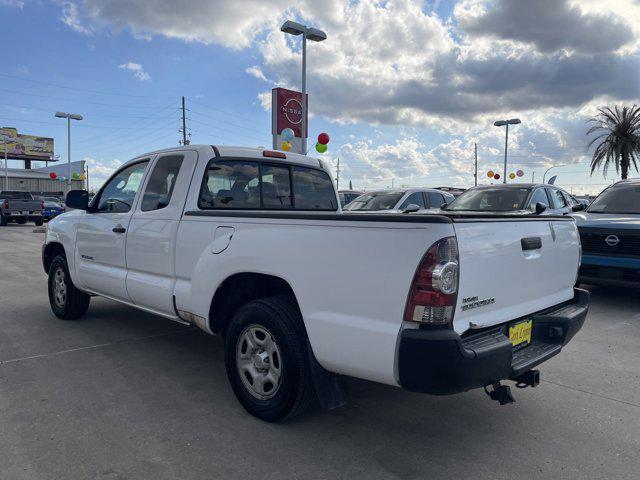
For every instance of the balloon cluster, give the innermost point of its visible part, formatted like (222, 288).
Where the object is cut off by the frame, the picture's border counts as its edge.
(323, 140)
(287, 137)
(512, 176)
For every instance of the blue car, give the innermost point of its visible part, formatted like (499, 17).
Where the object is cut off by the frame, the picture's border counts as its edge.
(52, 210)
(610, 235)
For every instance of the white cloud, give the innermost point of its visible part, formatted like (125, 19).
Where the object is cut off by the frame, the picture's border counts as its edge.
(137, 70)
(71, 17)
(256, 71)
(100, 170)
(12, 3)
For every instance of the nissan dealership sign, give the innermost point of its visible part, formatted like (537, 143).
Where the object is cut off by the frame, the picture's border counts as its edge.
(286, 108)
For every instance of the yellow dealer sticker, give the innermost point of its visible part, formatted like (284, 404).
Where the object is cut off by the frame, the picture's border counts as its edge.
(520, 333)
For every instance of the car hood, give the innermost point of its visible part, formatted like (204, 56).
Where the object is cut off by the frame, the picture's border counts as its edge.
(607, 220)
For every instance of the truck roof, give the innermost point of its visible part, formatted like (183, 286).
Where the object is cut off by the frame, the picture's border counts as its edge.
(243, 152)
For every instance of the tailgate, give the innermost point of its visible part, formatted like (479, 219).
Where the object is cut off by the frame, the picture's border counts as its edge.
(512, 268)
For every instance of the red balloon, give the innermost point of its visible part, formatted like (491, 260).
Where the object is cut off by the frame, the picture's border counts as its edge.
(497, 176)
(323, 138)
(53, 175)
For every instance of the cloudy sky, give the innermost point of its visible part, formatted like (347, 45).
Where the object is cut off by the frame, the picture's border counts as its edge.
(405, 88)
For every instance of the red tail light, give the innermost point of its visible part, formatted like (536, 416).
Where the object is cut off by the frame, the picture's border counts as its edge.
(434, 290)
(42, 205)
(6, 205)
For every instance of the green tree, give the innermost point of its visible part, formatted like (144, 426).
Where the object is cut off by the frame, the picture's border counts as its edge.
(617, 139)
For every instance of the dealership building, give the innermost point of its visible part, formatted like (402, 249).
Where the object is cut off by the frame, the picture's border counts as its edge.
(38, 181)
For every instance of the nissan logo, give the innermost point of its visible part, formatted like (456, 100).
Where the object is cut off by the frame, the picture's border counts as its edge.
(612, 240)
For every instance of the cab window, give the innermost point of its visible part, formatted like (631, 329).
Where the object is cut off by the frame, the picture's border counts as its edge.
(118, 194)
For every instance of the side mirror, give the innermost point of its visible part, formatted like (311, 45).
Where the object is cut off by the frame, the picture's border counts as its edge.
(540, 207)
(77, 199)
(578, 208)
(411, 208)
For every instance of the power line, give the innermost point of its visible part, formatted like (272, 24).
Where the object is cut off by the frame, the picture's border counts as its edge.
(63, 99)
(76, 89)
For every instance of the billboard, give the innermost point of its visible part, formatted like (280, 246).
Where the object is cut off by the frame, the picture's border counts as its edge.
(25, 147)
(286, 106)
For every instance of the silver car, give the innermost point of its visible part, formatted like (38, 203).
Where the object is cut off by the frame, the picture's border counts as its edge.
(516, 197)
(399, 200)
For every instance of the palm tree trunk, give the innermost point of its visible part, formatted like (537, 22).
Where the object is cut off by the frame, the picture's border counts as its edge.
(624, 164)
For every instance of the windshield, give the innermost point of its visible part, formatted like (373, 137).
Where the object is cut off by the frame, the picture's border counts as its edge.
(496, 199)
(618, 199)
(375, 201)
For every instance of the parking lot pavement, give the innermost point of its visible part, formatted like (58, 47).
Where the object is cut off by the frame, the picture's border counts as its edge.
(126, 395)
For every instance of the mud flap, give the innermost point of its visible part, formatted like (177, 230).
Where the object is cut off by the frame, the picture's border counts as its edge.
(329, 386)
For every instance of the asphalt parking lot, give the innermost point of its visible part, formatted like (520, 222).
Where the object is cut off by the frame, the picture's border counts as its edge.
(126, 395)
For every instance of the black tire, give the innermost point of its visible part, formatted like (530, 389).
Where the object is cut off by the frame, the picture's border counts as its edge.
(74, 303)
(3, 221)
(39, 222)
(281, 318)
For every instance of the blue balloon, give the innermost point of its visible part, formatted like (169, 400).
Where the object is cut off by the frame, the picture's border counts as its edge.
(287, 134)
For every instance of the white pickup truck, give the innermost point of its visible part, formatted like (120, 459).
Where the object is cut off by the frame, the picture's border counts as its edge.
(251, 244)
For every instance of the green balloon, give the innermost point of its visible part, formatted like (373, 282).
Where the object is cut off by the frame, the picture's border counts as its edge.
(75, 176)
(320, 148)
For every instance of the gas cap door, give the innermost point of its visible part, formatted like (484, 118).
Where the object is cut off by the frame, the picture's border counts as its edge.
(222, 238)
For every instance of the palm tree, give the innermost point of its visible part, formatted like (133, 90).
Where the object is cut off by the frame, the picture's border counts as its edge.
(619, 139)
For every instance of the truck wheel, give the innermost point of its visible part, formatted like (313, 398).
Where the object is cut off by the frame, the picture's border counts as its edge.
(39, 222)
(3, 221)
(67, 302)
(266, 359)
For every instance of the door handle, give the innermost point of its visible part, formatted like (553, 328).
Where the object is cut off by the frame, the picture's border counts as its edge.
(531, 243)
(118, 229)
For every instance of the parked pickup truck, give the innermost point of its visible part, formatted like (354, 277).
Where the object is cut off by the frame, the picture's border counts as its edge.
(251, 244)
(20, 207)
(610, 234)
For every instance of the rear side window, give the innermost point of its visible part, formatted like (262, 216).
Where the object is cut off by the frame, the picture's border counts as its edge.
(231, 184)
(539, 196)
(436, 200)
(415, 198)
(312, 189)
(160, 186)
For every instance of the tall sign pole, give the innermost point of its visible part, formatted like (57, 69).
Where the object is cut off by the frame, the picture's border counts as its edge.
(304, 93)
(184, 124)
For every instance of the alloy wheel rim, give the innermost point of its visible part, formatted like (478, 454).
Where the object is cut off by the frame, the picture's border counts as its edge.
(259, 362)
(60, 287)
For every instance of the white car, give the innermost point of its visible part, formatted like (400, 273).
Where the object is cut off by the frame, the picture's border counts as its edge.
(399, 200)
(251, 244)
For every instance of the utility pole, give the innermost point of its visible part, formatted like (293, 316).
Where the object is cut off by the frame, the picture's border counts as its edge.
(338, 175)
(184, 124)
(475, 175)
(533, 177)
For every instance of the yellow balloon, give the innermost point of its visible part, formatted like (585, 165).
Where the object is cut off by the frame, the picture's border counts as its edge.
(512, 176)
(490, 174)
(286, 146)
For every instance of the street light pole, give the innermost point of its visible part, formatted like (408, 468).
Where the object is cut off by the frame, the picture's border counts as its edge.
(315, 35)
(544, 177)
(506, 123)
(69, 117)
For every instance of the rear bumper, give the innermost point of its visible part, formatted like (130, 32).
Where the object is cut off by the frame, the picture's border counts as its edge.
(441, 362)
